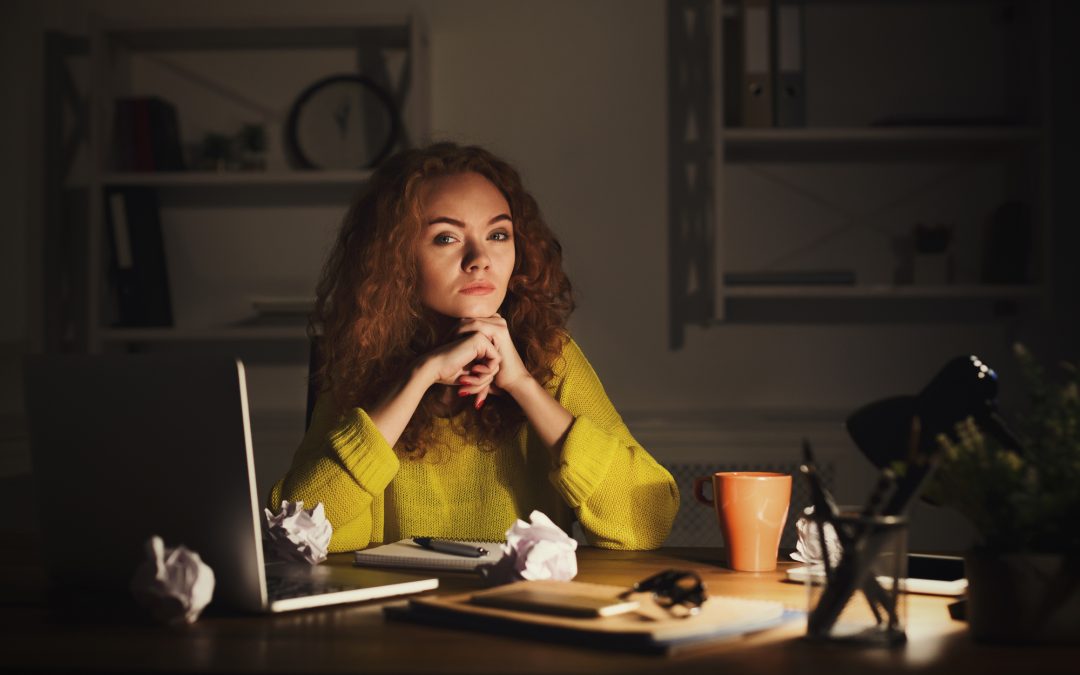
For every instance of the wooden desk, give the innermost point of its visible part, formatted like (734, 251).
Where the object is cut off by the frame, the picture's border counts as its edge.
(356, 638)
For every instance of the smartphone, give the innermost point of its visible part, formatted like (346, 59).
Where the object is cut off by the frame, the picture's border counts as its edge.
(545, 602)
(927, 575)
(935, 574)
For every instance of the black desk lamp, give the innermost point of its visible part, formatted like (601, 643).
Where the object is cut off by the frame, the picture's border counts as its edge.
(964, 387)
(899, 435)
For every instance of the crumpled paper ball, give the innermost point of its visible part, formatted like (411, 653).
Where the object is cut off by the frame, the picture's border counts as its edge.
(535, 550)
(173, 583)
(299, 534)
(808, 547)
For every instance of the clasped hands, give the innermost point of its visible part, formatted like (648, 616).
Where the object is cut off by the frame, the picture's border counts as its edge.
(482, 361)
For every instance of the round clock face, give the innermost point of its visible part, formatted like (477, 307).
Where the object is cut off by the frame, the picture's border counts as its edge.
(342, 122)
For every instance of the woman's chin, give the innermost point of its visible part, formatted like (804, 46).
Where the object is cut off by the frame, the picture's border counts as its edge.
(471, 310)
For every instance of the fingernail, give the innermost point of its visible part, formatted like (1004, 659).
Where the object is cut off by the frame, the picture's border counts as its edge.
(480, 403)
(462, 393)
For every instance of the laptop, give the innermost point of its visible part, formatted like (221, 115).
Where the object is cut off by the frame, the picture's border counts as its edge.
(128, 446)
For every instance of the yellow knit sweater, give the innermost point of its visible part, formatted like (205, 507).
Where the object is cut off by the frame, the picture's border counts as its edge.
(603, 478)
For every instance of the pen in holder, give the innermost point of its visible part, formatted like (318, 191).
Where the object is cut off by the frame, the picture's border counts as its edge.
(871, 561)
(860, 600)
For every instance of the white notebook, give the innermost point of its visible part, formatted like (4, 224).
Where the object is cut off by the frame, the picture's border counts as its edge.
(406, 553)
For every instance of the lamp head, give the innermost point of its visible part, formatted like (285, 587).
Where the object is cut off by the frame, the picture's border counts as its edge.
(964, 387)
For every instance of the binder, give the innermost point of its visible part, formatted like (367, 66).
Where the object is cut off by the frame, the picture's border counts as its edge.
(731, 38)
(138, 271)
(789, 90)
(757, 90)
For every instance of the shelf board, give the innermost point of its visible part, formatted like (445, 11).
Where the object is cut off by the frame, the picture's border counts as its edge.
(248, 333)
(235, 178)
(186, 33)
(906, 291)
(974, 135)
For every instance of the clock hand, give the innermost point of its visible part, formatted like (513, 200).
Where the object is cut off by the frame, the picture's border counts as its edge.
(341, 116)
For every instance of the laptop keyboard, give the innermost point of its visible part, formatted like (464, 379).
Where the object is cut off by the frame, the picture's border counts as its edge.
(282, 588)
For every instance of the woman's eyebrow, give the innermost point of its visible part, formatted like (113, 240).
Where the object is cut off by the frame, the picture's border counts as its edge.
(446, 220)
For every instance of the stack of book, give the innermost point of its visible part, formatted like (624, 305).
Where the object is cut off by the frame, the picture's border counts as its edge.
(146, 135)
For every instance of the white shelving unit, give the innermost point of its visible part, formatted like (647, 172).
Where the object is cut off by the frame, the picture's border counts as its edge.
(216, 71)
(750, 199)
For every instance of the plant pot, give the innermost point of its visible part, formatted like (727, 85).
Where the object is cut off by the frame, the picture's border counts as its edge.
(1023, 598)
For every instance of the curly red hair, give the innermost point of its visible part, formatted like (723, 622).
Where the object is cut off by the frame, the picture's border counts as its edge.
(368, 308)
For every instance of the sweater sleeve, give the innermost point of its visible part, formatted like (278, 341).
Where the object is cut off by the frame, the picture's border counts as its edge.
(345, 463)
(622, 497)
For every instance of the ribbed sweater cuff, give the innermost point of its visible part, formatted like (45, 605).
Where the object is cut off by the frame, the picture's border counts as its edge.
(364, 452)
(586, 456)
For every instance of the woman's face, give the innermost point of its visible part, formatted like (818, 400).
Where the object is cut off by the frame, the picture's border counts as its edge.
(466, 248)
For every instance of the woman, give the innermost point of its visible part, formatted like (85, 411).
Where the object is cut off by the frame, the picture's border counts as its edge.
(454, 401)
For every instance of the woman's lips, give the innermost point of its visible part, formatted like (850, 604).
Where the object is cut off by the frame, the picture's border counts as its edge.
(478, 289)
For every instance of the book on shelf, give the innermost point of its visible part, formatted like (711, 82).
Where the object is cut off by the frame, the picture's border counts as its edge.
(649, 628)
(138, 273)
(791, 278)
(146, 135)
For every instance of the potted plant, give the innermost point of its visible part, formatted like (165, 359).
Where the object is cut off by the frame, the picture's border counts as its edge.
(1024, 574)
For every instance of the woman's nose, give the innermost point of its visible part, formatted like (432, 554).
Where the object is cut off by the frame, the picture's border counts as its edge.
(476, 258)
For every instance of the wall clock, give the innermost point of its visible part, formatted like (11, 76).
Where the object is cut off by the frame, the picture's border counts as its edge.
(342, 122)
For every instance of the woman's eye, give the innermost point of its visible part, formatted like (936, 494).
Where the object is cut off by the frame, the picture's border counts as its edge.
(444, 239)
(500, 236)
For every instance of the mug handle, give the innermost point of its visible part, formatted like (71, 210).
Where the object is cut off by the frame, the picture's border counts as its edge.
(699, 491)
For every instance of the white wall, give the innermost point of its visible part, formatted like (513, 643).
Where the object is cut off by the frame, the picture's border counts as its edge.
(574, 93)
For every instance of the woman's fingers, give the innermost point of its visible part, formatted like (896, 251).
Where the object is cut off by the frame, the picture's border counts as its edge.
(481, 396)
(493, 328)
(475, 358)
(481, 368)
(475, 383)
(464, 356)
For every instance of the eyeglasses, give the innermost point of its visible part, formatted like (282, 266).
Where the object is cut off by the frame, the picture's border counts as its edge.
(680, 592)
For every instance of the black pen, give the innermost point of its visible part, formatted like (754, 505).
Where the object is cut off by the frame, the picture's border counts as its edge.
(451, 547)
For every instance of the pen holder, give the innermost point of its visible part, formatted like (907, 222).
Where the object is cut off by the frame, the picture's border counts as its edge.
(859, 599)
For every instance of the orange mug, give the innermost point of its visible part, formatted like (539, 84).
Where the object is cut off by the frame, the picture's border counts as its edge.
(752, 507)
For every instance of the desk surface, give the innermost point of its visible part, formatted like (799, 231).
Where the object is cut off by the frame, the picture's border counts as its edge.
(356, 638)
